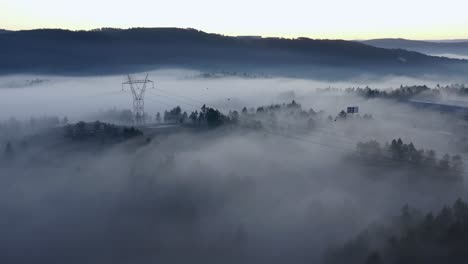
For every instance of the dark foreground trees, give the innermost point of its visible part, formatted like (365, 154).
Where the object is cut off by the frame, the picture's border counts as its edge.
(411, 238)
(99, 131)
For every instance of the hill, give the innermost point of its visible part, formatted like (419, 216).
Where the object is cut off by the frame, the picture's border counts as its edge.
(57, 51)
(448, 48)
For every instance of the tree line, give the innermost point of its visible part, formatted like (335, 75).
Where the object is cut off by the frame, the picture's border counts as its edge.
(410, 238)
(406, 154)
(408, 92)
(14, 128)
(99, 131)
(207, 116)
(402, 93)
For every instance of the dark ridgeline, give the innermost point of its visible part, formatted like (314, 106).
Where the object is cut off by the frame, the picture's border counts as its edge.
(117, 51)
(430, 47)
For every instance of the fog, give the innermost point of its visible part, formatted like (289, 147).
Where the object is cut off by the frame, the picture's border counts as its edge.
(23, 96)
(225, 195)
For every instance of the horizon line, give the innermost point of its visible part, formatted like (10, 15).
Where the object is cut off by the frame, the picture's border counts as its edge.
(237, 35)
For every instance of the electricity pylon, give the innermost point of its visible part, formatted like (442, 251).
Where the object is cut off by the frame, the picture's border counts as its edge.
(138, 87)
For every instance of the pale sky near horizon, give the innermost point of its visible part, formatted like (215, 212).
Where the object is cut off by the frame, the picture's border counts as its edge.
(356, 19)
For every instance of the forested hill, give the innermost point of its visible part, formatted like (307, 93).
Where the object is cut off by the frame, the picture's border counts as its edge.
(117, 51)
(426, 47)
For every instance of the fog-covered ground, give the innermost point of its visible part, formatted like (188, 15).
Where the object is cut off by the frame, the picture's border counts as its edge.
(25, 95)
(228, 195)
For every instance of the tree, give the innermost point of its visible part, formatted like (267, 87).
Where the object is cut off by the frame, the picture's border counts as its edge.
(213, 117)
(433, 238)
(201, 117)
(126, 116)
(193, 117)
(460, 210)
(9, 150)
(413, 154)
(184, 117)
(396, 149)
(244, 111)
(234, 116)
(342, 115)
(444, 163)
(430, 159)
(158, 117)
(174, 115)
(97, 126)
(369, 149)
(293, 104)
(373, 258)
(131, 132)
(80, 129)
(457, 163)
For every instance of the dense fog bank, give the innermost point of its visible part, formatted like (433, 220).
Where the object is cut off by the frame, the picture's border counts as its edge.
(285, 189)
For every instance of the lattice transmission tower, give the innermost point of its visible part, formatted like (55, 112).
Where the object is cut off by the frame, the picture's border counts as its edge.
(138, 88)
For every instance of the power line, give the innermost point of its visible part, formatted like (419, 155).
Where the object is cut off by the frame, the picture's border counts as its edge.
(341, 148)
(183, 102)
(181, 96)
(353, 151)
(101, 94)
(295, 137)
(210, 105)
(159, 101)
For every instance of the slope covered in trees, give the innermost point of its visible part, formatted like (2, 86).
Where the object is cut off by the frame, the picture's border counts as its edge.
(409, 92)
(410, 238)
(427, 47)
(423, 164)
(120, 51)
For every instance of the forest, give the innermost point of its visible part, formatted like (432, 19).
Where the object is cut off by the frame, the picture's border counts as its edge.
(293, 178)
(407, 92)
(411, 237)
(235, 132)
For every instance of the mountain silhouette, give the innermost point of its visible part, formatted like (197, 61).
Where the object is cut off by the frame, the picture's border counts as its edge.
(108, 51)
(456, 47)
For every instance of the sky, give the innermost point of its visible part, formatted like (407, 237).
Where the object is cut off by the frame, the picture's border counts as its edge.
(334, 19)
